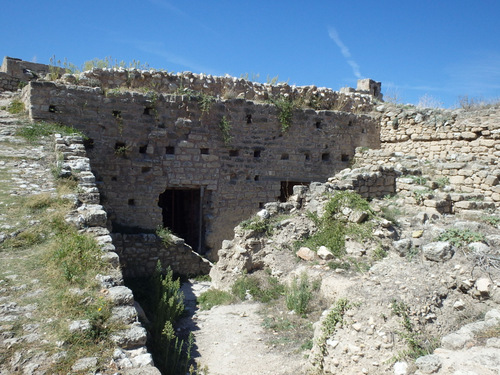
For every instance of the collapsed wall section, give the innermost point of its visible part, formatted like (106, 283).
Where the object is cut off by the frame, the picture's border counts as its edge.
(150, 150)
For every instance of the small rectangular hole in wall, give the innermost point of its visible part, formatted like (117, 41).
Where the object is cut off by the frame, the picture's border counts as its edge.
(344, 157)
(131, 202)
(307, 156)
(204, 151)
(325, 156)
(170, 150)
(363, 131)
(256, 177)
(249, 119)
(318, 124)
(142, 149)
(53, 109)
(114, 178)
(148, 111)
(117, 114)
(285, 157)
(350, 123)
(256, 153)
(145, 169)
(234, 152)
(261, 204)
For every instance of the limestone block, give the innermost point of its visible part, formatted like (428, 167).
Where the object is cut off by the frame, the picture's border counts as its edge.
(438, 251)
(324, 253)
(306, 254)
(456, 180)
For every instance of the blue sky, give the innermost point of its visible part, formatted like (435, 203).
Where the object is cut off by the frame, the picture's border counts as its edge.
(440, 48)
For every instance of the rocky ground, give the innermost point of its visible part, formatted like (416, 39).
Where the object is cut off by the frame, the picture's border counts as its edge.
(407, 292)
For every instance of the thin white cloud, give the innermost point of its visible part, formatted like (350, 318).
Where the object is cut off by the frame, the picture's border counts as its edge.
(171, 8)
(158, 49)
(334, 35)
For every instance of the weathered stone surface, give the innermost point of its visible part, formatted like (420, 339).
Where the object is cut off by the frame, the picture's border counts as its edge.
(306, 254)
(438, 251)
(324, 253)
(428, 364)
(121, 295)
(130, 338)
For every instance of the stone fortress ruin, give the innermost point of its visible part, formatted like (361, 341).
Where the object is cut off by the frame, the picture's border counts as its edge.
(199, 154)
(162, 158)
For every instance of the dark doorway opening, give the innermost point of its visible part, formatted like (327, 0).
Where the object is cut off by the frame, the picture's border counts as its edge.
(287, 189)
(182, 214)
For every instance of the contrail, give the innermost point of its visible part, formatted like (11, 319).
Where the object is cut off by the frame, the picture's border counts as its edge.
(334, 35)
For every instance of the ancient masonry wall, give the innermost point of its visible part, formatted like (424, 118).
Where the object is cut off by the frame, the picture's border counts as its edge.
(8, 83)
(139, 254)
(223, 87)
(89, 217)
(463, 145)
(142, 144)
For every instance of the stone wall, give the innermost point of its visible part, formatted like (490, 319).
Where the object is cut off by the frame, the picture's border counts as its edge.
(464, 146)
(140, 145)
(131, 355)
(139, 254)
(8, 83)
(24, 70)
(223, 87)
(376, 182)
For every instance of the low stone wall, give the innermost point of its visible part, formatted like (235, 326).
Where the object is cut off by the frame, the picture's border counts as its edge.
(441, 134)
(8, 83)
(25, 70)
(375, 183)
(139, 254)
(223, 87)
(467, 174)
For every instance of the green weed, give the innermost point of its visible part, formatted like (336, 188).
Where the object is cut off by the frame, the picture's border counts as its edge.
(214, 297)
(33, 132)
(16, 107)
(285, 108)
(299, 294)
(460, 237)
(165, 235)
(225, 128)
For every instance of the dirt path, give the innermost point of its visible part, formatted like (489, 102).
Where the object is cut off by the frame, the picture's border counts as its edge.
(230, 339)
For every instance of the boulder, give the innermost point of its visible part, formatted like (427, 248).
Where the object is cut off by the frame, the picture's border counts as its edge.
(438, 251)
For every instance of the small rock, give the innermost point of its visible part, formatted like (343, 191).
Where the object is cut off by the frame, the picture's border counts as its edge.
(416, 234)
(428, 364)
(357, 327)
(324, 253)
(400, 368)
(459, 305)
(483, 286)
(306, 254)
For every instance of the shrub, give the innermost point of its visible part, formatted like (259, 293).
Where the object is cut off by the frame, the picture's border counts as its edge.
(16, 107)
(225, 128)
(346, 199)
(299, 294)
(285, 108)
